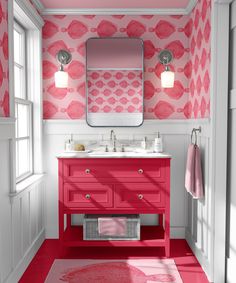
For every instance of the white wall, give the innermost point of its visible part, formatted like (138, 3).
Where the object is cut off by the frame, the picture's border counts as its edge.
(199, 230)
(231, 213)
(21, 215)
(176, 136)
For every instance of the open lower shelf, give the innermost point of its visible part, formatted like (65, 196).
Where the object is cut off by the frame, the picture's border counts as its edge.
(151, 236)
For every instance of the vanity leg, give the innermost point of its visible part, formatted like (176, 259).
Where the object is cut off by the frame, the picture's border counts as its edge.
(68, 220)
(160, 220)
(167, 234)
(61, 232)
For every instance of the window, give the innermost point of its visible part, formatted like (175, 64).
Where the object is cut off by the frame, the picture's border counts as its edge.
(23, 106)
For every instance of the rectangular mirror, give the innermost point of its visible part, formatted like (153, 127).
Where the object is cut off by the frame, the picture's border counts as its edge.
(114, 72)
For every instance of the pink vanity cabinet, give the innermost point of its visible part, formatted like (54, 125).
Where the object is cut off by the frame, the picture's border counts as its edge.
(115, 186)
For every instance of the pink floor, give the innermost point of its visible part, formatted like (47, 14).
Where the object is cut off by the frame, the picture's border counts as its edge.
(188, 266)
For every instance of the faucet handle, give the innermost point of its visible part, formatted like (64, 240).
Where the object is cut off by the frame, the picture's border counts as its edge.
(106, 148)
(122, 148)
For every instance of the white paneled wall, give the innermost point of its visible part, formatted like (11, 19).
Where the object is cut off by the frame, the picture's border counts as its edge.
(176, 135)
(21, 216)
(231, 192)
(199, 228)
(190, 219)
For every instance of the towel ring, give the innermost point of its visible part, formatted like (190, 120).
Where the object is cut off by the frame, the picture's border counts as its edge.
(194, 131)
(195, 137)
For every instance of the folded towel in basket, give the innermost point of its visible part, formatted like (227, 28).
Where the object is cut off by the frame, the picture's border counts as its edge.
(112, 226)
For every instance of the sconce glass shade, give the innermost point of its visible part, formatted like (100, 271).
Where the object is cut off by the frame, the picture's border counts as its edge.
(61, 79)
(167, 79)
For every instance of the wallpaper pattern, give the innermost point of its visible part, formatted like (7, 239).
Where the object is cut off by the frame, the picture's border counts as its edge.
(115, 91)
(158, 32)
(187, 36)
(4, 68)
(200, 55)
(4, 88)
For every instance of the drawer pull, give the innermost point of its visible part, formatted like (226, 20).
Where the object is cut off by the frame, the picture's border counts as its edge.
(140, 196)
(140, 171)
(87, 196)
(87, 171)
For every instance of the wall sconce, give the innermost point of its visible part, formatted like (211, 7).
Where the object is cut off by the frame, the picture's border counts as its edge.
(61, 77)
(167, 77)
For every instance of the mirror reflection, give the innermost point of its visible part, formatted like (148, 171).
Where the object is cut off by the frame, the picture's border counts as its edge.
(114, 81)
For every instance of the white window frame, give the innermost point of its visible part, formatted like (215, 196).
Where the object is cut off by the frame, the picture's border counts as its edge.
(22, 31)
(29, 18)
(29, 137)
(24, 100)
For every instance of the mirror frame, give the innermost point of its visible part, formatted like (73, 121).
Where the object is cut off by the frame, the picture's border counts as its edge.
(86, 85)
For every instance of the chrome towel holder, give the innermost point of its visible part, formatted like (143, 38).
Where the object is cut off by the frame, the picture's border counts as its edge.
(194, 132)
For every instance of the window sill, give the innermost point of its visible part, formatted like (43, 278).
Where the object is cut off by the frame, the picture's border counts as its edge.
(26, 184)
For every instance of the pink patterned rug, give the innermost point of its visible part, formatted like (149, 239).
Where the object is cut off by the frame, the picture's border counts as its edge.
(113, 271)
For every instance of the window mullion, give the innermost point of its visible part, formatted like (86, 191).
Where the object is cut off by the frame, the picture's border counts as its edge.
(23, 138)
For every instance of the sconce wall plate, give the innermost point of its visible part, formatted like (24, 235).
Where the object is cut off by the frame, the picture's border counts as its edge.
(165, 56)
(64, 57)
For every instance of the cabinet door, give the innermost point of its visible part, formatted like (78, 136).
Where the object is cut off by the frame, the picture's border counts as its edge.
(88, 195)
(140, 195)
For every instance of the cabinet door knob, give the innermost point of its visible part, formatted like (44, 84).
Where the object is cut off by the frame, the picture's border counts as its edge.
(87, 171)
(87, 196)
(140, 196)
(140, 171)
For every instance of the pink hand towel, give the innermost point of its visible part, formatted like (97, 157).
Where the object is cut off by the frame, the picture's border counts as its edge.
(189, 174)
(198, 184)
(112, 226)
(193, 175)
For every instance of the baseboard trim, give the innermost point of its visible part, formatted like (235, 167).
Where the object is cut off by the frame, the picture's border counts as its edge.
(19, 270)
(205, 264)
(177, 232)
(231, 263)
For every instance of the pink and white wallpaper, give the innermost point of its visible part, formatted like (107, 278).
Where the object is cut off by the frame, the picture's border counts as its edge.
(187, 36)
(200, 55)
(190, 96)
(4, 68)
(115, 91)
(4, 89)
(158, 32)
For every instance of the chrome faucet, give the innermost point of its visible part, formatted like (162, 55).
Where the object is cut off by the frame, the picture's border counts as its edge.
(113, 140)
(112, 135)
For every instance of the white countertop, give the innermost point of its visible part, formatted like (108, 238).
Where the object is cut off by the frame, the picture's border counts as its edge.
(96, 154)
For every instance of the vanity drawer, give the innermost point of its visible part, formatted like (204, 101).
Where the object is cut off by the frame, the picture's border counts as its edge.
(88, 195)
(140, 195)
(118, 169)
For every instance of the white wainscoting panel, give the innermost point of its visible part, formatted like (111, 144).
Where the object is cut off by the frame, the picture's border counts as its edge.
(199, 225)
(175, 136)
(21, 215)
(190, 219)
(5, 212)
(231, 185)
(231, 215)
